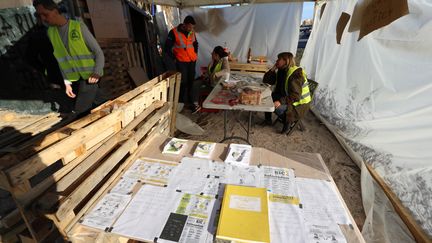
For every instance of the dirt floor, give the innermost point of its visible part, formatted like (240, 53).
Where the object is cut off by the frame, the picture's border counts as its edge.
(315, 139)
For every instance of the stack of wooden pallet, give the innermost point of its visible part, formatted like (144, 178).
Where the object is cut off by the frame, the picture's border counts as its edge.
(56, 177)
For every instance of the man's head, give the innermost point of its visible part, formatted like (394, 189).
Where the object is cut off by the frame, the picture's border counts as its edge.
(189, 23)
(285, 59)
(48, 12)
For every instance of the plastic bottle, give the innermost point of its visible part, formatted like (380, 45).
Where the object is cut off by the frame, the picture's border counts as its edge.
(249, 56)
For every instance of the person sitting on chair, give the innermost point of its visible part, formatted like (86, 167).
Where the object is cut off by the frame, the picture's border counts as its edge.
(218, 68)
(291, 96)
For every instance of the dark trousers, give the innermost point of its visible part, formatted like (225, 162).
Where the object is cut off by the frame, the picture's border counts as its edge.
(87, 97)
(187, 70)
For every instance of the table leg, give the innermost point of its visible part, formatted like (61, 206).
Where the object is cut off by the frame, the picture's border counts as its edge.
(249, 126)
(225, 123)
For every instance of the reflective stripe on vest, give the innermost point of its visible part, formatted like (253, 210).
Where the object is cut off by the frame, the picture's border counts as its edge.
(305, 94)
(183, 48)
(217, 68)
(76, 61)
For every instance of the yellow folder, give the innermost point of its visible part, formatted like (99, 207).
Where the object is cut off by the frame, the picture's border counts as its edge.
(244, 215)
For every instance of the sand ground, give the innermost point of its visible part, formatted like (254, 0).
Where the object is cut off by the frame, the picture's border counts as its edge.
(315, 139)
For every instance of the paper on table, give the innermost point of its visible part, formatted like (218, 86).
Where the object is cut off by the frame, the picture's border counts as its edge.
(279, 181)
(199, 209)
(174, 146)
(151, 172)
(218, 169)
(286, 222)
(329, 233)
(204, 150)
(190, 175)
(239, 154)
(147, 213)
(124, 186)
(243, 175)
(320, 202)
(106, 211)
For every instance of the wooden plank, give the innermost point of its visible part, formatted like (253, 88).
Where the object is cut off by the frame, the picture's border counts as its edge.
(30, 167)
(113, 178)
(176, 98)
(12, 235)
(10, 219)
(89, 162)
(248, 67)
(66, 208)
(27, 197)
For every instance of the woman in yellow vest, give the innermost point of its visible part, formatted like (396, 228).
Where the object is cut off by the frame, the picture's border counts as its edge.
(218, 69)
(291, 96)
(79, 56)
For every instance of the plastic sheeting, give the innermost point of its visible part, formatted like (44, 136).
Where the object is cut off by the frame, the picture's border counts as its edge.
(267, 29)
(375, 94)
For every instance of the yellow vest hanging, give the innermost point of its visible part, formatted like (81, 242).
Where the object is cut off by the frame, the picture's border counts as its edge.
(77, 61)
(217, 68)
(305, 94)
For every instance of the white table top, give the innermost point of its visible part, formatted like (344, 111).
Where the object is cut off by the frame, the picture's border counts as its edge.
(265, 106)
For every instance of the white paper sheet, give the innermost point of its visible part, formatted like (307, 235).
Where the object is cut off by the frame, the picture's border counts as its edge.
(322, 234)
(199, 210)
(279, 181)
(286, 223)
(243, 175)
(321, 204)
(147, 213)
(204, 150)
(124, 186)
(239, 154)
(245, 203)
(150, 172)
(106, 211)
(190, 176)
(174, 146)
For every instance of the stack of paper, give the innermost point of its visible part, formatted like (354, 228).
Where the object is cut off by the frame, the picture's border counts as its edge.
(204, 150)
(239, 154)
(244, 215)
(174, 146)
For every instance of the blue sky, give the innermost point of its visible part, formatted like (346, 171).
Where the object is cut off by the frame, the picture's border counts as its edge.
(308, 9)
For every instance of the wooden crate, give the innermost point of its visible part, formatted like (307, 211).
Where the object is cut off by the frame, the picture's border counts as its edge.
(52, 183)
(248, 67)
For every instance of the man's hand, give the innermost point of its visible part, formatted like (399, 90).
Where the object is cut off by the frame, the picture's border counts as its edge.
(276, 104)
(94, 78)
(69, 91)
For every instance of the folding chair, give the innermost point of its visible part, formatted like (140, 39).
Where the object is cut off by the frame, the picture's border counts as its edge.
(312, 87)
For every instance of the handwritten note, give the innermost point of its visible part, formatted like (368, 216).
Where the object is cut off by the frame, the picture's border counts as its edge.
(380, 13)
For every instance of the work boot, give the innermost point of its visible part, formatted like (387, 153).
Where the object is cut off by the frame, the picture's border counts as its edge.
(268, 119)
(285, 124)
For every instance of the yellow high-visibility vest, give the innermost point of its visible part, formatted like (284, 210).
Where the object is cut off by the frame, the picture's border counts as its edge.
(76, 61)
(305, 94)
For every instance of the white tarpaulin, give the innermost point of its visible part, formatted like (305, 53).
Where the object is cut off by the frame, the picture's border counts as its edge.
(267, 29)
(376, 94)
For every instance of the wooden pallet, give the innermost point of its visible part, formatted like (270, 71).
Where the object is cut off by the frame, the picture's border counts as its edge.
(248, 67)
(51, 178)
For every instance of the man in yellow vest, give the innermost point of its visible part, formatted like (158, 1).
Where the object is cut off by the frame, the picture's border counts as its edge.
(79, 56)
(291, 96)
(182, 46)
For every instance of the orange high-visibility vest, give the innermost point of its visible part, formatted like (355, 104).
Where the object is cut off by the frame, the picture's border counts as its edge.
(183, 47)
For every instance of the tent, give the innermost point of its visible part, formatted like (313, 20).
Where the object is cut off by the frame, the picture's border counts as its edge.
(374, 96)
